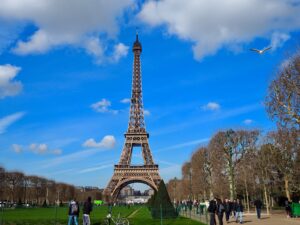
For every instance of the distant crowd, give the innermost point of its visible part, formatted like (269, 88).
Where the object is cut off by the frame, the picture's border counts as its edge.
(233, 208)
(217, 208)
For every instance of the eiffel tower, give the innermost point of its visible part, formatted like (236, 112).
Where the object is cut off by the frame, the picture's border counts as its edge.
(136, 136)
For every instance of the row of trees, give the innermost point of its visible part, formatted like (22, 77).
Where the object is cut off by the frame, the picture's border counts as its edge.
(243, 164)
(250, 164)
(16, 187)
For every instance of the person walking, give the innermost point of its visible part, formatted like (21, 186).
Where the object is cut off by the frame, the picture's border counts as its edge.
(227, 206)
(287, 208)
(258, 205)
(220, 211)
(73, 212)
(87, 208)
(233, 208)
(239, 211)
(212, 208)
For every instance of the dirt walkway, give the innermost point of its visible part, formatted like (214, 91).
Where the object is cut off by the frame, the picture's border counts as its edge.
(133, 213)
(277, 218)
(274, 219)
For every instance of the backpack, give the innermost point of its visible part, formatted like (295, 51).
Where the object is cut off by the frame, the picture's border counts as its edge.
(221, 208)
(74, 208)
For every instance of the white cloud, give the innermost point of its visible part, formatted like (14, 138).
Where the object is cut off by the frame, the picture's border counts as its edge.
(120, 50)
(212, 106)
(6, 121)
(278, 39)
(38, 148)
(96, 168)
(65, 22)
(248, 121)
(170, 172)
(73, 157)
(57, 152)
(17, 148)
(146, 112)
(103, 107)
(185, 144)
(108, 142)
(43, 149)
(94, 47)
(213, 25)
(226, 113)
(8, 87)
(125, 100)
(39, 42)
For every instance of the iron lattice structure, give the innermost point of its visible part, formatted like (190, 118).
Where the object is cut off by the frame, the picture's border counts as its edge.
(136, 136)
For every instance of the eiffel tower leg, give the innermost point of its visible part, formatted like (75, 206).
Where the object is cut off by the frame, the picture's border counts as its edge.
(125, 175)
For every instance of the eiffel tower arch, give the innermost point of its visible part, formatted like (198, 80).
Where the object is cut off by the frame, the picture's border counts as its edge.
(136, 136)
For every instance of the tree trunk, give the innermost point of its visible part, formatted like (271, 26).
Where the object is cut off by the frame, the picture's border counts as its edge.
(266, 199)
(231, 180)
(270, 202)
(204, 194)
(286, 187)
(247, 196)
(47, 195)
(211, 194)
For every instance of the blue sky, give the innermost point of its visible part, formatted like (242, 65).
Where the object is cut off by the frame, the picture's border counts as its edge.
(66, 68)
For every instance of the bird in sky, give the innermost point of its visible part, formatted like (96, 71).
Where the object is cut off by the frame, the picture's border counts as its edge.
(260, 51)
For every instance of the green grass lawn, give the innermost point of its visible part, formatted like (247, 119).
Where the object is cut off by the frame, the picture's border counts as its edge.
(143, 217)
(46, 216)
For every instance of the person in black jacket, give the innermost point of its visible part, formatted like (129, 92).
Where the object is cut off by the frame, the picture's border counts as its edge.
(288, 209)
(87, 208)
(212, 208)
(227, 206)
(258, 204)
(220, 211)
(233, 207)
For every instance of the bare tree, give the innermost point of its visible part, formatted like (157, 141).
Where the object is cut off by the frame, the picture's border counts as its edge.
(14, 182)
(186, 180)
(2, 183)
(296, 171)
(51, 192)
(266, 169)
(201, 173)
(283, 99)
(246, 176)
(286, 142)
(228, 148)
(174, 189)
(15, 186)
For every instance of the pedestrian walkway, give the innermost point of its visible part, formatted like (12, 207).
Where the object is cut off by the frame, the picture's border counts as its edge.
(274, 219)
(133, 213)
(277, 218)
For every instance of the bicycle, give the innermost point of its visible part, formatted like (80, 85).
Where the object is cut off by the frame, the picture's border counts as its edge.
(110, 220)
